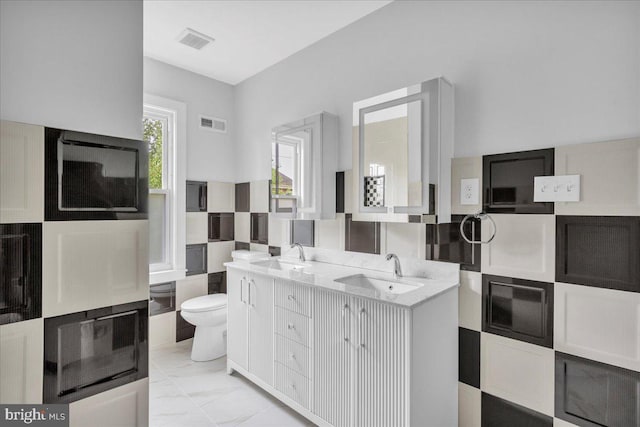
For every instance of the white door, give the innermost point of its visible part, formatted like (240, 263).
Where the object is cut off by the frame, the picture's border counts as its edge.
(332, 347)
(260, 303)
(380, 387)
(237, 316)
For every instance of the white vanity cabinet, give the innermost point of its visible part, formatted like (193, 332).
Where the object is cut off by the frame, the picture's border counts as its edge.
(250, 322)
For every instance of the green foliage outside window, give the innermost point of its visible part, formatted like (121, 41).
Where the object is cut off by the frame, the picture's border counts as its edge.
(152, 134)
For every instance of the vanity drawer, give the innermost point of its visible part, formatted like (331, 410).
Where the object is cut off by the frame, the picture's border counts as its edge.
(293, 297)
(292, 384)
(293, 326)
(293, 355)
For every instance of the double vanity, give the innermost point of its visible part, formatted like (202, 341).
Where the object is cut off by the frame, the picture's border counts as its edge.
(345, 340)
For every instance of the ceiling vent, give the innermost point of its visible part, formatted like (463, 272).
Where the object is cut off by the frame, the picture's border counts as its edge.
(213, 124)
(194, 39)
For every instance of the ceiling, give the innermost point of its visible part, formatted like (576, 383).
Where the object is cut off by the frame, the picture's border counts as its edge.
(249, 36)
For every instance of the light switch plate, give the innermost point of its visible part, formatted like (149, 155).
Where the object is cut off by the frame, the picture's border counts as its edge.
(470, 191)
(559, 188)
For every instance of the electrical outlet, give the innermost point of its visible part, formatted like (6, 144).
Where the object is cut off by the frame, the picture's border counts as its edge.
(559, 188)
(470, 191)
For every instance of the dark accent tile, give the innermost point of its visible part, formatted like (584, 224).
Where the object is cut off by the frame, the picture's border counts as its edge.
(242, 246)
(602, 251)
(162, 298)
(217, 283)
(184, 329)
(445, 243)
(196, 196)
(259, 231)
(415, 219)
(243, 195)
(593, 394)
(469, 357)
(432, 199)
(196, 260)
(270, 193)
(274, 251)
(519, 309)
(498, 412)
(20, 272)
(92, 351)
(362, 236)
(508, 181)
(339, 192)
(221, 227)
(302, 231)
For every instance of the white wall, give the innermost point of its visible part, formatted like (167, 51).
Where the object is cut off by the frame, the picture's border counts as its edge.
(210, 155)
(527, 74)
(71, 64)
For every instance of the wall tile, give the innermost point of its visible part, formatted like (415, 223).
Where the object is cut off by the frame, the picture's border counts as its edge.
(242, 225)
(599, 324)
(406, 240)
(243, 197)
(348, 191)
(21, 350)
(469, 357)
(519, 372)
(275, 251)
(259, 232)
(469, 404)
(470, 300)
(329, 234)
(498, 412)
(618, 193)
(362, 236)
(257, 247)
(259, 196)
(279, 230)
(518, 309)
(196, 227)
(221, 196)
(162, 298)
(339, 192)
(302, 231)
(601, 251)
(219, 253)
(221, 227)
(217, 283)
(190, 287)
(557, 422)
(590, 393)
(196, 259)
(196, 196)
(524, 247)
(162, 329)
(184, 329)
(445, 243)
(242, 246)
(465, 168)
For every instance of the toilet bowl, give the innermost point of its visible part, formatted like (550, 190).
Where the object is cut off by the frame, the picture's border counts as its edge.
(209, 315)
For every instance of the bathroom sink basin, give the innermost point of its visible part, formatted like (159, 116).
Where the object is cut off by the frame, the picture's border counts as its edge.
(390, 286)
(284, 265)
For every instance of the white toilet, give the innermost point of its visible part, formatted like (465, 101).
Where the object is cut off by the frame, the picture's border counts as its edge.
(209, 315)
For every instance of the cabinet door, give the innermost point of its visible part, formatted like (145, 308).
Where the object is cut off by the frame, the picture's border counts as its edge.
(260, 299)
(332, 348)
(237, 316)
(380, 385)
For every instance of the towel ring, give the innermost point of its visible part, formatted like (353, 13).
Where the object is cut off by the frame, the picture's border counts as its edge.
(481, 216)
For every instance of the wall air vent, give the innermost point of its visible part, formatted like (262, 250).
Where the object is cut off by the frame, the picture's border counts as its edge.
(194, 39)
(213, 124)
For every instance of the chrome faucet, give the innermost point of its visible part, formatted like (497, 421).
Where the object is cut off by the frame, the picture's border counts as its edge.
(397, 271)
(300, 251)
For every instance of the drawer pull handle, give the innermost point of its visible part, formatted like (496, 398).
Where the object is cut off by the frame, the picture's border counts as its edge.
(291, 297)
(291, 326)
(344, 322)
(292, 356)
(362, 312)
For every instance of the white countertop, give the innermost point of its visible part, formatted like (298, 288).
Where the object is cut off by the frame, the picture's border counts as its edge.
(324, 275)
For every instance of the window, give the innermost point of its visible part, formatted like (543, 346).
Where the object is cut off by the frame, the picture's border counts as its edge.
(286, 172)
(163, 130)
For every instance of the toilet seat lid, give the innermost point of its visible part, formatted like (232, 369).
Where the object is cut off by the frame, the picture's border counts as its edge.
(205, 303)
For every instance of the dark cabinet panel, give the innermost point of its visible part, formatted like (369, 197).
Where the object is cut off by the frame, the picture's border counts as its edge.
(469, 357)
(602, 251)
(259, 231)
(221, 227)
(196, 259)
(508, 181)
(196, 196)
(444, 243)
(20, 272)
(162, 298)
(591, 394)
(302, 231)
(243, 195)
(217, 283)
(362, 236)
(517, 308)
(498, 412)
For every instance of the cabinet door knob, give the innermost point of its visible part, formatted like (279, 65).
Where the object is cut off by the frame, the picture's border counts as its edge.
(292, 386)
(292, 356)
(291, 297)
(291, 326)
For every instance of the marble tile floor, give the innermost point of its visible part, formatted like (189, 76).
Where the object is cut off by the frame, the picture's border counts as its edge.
(184, 393)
